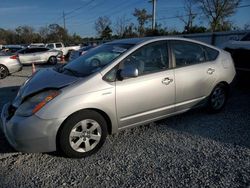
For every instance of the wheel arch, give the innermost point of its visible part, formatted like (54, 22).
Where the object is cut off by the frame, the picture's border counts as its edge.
(225, 84)
(102, 113)
(8, 71)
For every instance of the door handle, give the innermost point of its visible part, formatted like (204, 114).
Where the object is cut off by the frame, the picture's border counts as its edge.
(167, 81)
(210, 71)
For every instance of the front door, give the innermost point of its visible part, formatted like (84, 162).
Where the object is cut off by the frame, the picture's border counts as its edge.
(151, 95)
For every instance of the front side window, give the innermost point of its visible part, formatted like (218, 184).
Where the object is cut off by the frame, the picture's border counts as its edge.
(187, 53)
(58, 45)
(50, 46)
(149, 58)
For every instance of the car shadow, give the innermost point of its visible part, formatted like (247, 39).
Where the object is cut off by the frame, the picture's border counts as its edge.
(230, 126)
(6, 95)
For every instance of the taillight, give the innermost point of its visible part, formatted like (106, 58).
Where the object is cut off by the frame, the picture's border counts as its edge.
(14, 57)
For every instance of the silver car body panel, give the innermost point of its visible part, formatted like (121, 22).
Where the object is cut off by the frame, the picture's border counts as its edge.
(38, 57)
(45, 79)
(127, 103)
(13, 65)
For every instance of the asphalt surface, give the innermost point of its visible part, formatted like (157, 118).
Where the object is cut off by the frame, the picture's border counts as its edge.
(195, 149)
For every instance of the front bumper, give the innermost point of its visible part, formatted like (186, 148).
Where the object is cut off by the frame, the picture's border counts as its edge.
(30, 134)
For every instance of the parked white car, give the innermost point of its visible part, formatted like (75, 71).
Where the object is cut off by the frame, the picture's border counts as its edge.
(9, 64)
(61, 47)
(38, 55)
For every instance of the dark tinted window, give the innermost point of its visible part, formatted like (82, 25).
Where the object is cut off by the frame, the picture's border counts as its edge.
(211, 54)
(50, 46)
(42, 49)
(187, 53)
(58, 45)
(148, 59)
(246, 37)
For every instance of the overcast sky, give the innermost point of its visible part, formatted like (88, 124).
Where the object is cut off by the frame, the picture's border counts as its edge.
(81, 14)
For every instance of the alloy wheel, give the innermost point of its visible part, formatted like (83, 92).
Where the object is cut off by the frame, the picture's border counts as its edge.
(218, 98)
(85, 135)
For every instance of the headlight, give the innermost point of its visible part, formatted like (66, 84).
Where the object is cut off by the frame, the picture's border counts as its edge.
(35, 103)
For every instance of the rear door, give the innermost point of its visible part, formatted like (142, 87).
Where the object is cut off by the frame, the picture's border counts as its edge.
(42, 55)
(26, 56)
(151, 95)
(194, 73)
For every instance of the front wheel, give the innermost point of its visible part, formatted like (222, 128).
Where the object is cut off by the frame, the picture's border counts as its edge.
(3, 71)
(52, 60)
(217, 98)
(82, 134)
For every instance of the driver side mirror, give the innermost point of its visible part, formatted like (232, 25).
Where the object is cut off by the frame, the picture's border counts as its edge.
(128, 72)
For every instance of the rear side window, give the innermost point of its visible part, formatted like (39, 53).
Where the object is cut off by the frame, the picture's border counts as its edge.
(187, 53)
(43, 49)
(211, 54)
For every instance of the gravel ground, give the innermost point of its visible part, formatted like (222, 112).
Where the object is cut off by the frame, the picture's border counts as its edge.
(195, 149)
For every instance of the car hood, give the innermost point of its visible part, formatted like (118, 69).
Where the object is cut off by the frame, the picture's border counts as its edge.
(42, 80)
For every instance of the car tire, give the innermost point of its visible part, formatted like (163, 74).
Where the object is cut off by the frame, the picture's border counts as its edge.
(217, 98)
(82, 134)
(52, 60)
(4, 72)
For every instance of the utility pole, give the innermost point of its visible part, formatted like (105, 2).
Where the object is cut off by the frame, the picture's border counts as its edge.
(154, 14)
(64, 25)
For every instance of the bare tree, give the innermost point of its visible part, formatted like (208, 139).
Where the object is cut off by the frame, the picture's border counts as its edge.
(121, 25)
(142, 18)
(218, 11)
(189, 17)
(101, 24)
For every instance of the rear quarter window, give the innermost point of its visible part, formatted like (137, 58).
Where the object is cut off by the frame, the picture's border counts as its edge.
(211, 54)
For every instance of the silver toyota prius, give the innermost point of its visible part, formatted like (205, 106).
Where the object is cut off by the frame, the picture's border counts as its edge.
(118, 85)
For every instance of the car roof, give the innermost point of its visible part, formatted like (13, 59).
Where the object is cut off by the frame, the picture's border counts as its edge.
(140, 40)
(135, 41)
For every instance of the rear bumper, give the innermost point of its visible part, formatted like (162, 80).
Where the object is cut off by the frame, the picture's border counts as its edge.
(15, 67)
(29, 134)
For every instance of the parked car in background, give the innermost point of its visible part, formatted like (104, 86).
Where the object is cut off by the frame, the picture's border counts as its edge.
(240, 51)
(38, 55)
(11, 49)
(80, 52)
(9, 64)
(36, 45)
(61, 47)
(136, 81)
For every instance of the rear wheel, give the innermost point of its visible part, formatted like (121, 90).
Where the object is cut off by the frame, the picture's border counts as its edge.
(52, 60)
(3, 71)
(82, 134)
(218, 98)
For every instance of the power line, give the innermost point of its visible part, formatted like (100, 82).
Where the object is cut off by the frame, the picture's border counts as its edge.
(76, 9)
(110, 13)
(175, 17)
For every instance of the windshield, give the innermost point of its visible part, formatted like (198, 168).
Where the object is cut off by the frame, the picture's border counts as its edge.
(95, 59)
